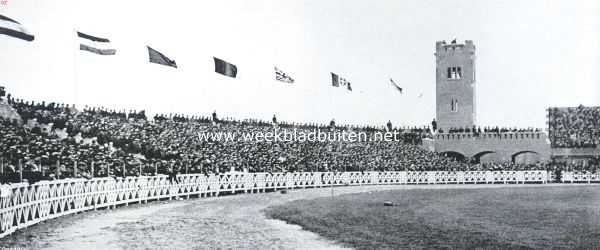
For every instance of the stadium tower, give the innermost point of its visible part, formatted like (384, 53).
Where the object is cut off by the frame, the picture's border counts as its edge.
(455, 84)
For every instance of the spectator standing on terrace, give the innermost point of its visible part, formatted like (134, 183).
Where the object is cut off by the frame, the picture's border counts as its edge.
(214, 116)
(2, 92)
(173, 175)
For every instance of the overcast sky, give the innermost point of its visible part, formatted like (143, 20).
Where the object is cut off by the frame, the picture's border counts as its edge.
(530, 55)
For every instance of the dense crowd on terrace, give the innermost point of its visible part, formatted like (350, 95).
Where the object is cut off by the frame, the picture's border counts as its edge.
(59, 141)
(494, 130)
(574, 127)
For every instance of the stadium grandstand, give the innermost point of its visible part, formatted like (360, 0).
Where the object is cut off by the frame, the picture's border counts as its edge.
(574, 133)
(574, 127)
(51, 141)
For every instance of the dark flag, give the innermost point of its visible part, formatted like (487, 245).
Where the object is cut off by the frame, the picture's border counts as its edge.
(282, 76)
(337, 81)
(225, 68)
(395, 85)
(96, 45)
(159, 58)
(13, 28)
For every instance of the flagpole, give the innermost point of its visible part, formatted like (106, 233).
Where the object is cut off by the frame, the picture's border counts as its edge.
(75, 83)
(332, 101)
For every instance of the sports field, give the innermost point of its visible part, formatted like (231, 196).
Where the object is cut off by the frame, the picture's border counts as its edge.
(496, 218)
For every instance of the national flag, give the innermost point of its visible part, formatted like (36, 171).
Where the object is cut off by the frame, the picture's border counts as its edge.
(282, 76)
(13, 28)
(395, 85)
(159, 58)
(96, 45)
(337, 81)
(344, 82)
(225, 68)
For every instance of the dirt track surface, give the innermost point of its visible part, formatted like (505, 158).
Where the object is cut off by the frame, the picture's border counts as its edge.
(231, 222)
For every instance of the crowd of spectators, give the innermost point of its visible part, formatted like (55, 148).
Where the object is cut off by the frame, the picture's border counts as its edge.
(494, 130)
(58, 141)
(574, 127)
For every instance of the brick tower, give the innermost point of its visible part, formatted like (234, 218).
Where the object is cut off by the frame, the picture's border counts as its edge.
(455, 84)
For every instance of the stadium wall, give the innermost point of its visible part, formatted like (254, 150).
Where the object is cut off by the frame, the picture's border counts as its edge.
(576, 156)
(575, 152)
(23, 205)
(498, 147)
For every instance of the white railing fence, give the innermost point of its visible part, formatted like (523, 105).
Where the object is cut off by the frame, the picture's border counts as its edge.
(580, 177)
(22, 205)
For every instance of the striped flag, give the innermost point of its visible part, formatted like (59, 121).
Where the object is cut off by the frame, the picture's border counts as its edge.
(395, 85)
(337, 81)
(159, 58)
(282, 76)
(225, 68)
(13, 28)
(96, 45)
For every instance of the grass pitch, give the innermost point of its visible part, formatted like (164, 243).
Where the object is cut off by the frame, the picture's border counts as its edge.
(489, 218)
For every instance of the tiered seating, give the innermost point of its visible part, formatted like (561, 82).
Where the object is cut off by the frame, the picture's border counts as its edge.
(574, 127)
(57, 141)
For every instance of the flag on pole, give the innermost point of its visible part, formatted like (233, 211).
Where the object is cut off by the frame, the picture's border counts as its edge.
(395, 85)
(13, 28)
(282, 76)
(337, 81)
(159, 58)
(96, 45)
(225, 68)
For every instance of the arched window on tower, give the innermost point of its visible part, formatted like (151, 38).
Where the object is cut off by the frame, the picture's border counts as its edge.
(454, 73)
(454, 105)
